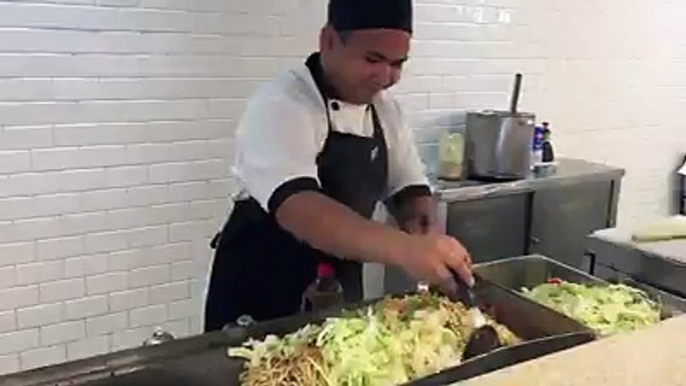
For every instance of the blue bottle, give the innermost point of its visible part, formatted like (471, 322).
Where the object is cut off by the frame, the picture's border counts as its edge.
(537, 146)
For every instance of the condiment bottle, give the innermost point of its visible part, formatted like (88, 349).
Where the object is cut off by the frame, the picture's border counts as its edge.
(326, 291)
(450, 156)
(547, 148)
(537, 147)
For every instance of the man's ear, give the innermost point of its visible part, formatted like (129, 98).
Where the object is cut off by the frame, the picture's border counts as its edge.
(326, 39)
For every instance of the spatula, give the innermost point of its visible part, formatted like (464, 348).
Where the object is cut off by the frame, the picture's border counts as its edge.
(483, 338)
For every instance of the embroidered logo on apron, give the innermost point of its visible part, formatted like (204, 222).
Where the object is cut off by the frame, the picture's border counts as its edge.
(374, 153)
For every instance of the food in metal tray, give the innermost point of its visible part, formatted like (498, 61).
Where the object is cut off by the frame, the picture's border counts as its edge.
(608, 309)
(391, 342)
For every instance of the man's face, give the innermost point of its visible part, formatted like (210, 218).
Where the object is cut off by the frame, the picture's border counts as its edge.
(365, 62)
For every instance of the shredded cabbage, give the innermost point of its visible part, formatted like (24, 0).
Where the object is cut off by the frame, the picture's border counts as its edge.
(608, 309)
(393, 342)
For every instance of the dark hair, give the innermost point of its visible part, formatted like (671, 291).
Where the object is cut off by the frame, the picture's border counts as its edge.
(344, 36)
(351, 15)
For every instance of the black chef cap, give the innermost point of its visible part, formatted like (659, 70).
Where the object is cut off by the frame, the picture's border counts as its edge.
(350, 15)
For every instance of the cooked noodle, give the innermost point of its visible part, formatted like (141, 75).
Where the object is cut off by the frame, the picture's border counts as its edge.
(424, 334)
(302, 368)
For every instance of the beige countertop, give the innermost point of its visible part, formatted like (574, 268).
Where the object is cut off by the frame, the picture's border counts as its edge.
(652, 357)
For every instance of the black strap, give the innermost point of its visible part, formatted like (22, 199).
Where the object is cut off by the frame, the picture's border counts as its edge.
(314, 64)
(376, 122)
(326, 91)
(215, 240)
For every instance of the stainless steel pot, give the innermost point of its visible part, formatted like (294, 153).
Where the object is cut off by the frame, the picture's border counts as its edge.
(499, 144)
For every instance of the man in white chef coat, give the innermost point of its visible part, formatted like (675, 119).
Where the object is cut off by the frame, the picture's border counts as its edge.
(317, 149)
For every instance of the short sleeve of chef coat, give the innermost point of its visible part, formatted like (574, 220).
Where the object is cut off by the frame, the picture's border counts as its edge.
(277, 143)
(406, 171)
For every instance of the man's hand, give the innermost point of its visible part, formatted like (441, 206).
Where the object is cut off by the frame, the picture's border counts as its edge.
(434, 258)
(331, 227)
(429, 255)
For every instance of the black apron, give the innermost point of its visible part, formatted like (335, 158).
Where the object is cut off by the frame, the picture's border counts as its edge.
(260, 269)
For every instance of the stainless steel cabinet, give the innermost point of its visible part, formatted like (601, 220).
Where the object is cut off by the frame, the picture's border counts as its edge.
(491, 228)
(553, 222)
(562, 217)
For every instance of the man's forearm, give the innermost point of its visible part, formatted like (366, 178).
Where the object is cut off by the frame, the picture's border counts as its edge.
(326, 225)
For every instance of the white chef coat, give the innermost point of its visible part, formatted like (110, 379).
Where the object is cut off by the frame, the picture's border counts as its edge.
(285, 126)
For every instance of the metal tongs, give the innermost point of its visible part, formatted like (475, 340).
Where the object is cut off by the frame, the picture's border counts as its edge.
(483, 338)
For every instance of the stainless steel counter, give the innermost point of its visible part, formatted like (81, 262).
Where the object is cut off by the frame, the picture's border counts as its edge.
(659, 264)
(163, 362)
(565, 172)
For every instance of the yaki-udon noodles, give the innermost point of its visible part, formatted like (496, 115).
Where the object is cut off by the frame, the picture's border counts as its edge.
(389, 343)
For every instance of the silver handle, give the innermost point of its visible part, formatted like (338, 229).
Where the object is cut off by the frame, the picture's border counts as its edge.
(245, 321)
(158, 337)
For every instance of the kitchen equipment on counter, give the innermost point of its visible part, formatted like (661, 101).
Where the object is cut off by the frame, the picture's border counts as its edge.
(548, 153)
(499, 143)
(543, 155)
(203, 360)
(451, 156)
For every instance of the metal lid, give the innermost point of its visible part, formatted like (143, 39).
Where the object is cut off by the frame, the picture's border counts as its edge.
(158, 337)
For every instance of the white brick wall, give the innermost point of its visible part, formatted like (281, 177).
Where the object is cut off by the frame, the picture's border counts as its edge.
(8, 321)
(116, 123)
(89, 347)
(44, 356)
(42, 315)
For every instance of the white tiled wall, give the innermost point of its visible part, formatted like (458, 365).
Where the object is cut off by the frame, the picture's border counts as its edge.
(116, 119)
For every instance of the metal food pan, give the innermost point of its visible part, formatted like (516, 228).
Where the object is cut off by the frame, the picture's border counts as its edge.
(640, 261)
(543, 331)
(500, 359)
(529, 271)
(211, 368)
(672, 305)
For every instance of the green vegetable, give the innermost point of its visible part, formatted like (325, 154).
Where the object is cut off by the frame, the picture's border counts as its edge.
(608, 309)
(392, 342)
(373, 351)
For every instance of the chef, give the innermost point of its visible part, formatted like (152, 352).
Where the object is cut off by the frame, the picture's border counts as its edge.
(317, 149)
